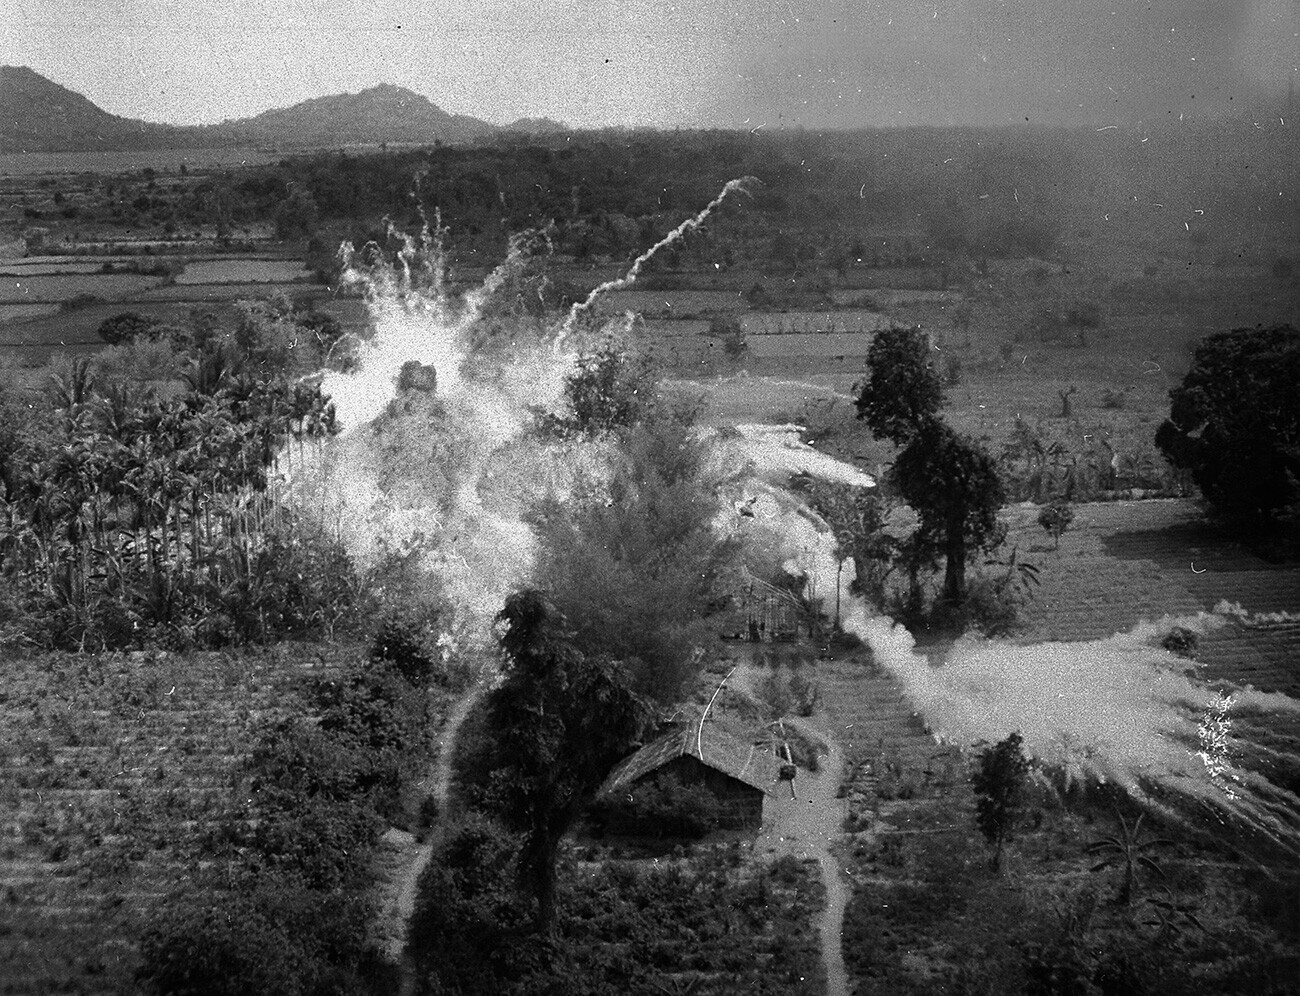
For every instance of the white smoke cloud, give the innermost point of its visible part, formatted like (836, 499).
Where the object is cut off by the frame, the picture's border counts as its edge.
(1121, 710)
(450, 476)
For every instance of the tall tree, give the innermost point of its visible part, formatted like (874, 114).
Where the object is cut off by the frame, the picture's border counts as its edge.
(561, 721)
(999, 786)
(953, 484)
(633, 565)
(1234, 422)
(903, 391)
(949, 479)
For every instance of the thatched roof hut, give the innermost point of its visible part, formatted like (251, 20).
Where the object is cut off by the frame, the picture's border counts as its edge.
(738, 773)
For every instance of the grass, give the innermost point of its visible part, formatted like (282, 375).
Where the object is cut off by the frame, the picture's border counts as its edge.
(717, 921)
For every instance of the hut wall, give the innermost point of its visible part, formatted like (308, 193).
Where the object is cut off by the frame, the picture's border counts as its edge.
(740, 805)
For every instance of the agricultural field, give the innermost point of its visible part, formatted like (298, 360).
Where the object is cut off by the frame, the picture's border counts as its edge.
(116, 767)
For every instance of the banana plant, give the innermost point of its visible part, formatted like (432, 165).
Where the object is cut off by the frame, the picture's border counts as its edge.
(1127, 849)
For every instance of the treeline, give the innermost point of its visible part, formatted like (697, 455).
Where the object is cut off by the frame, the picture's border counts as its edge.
(136, 512)
(888, 197)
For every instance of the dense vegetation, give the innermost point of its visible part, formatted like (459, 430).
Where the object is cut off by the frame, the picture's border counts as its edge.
(164, 530)
(1234, 422)
(949, 479)
(134, 512)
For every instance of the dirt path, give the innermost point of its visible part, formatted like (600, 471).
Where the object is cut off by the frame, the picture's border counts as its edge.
(806, 826)
(805, 822)
(398, 903)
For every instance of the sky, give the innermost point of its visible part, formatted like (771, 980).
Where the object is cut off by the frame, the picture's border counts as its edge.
(711, 63)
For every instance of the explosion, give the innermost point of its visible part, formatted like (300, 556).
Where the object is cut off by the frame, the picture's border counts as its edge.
(437, 461)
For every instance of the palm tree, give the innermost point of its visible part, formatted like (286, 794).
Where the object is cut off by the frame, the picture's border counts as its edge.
(1127, 849)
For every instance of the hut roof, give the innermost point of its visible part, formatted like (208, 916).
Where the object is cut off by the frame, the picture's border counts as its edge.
(745, 761)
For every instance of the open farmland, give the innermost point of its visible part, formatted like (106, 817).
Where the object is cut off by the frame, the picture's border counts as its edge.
(54, 288)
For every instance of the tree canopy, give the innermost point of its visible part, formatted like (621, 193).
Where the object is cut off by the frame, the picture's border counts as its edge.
(633, 564)
(612, 387)
(903, 392)
(1234, 422)
(952, 482)
(949, 479)
(999, 787)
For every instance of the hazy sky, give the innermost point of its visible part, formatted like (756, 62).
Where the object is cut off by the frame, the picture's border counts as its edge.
(728, 63)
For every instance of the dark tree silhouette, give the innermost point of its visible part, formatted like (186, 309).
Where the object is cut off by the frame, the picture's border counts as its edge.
(128, 327)
(953, 485)
(1234, 422)
(999, 784)
(561, 721)
(903, 391)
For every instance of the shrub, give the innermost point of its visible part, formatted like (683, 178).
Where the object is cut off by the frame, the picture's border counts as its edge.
(661, 807)
(727, 328)
(469, 911)
(226, 949)
(126, 327)
(403, 645)
(261, 939)
(310, 805)
(1181, 641)
(805, 693)
(776, 695)
(999, 786)
(1056, 519)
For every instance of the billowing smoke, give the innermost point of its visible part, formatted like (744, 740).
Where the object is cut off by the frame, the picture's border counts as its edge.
(1122, 710)
(446, 477)
(444, 472)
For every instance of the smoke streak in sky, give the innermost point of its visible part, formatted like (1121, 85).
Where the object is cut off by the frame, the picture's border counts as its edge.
(689, 225)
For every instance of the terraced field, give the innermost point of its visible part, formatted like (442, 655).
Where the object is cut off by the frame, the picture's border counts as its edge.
(109, 767)
(1124, 562)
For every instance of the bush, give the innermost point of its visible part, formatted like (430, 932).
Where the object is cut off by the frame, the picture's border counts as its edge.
(310, 804)
(727, 328)
(1233, 421)
(661, 807)
(999, 789)
(469, 912)
(127, 327)
(261, 939)
(1056, 519)
(403, 645)
(1181, 641)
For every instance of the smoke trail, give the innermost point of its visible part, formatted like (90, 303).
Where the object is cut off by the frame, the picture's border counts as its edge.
(690, 224)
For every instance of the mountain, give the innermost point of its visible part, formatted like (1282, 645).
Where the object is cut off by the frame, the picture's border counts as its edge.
(536, 126)
(38, 115)
(383, 113)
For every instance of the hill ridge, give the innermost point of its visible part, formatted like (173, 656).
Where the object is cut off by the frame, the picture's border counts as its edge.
(40, 115)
